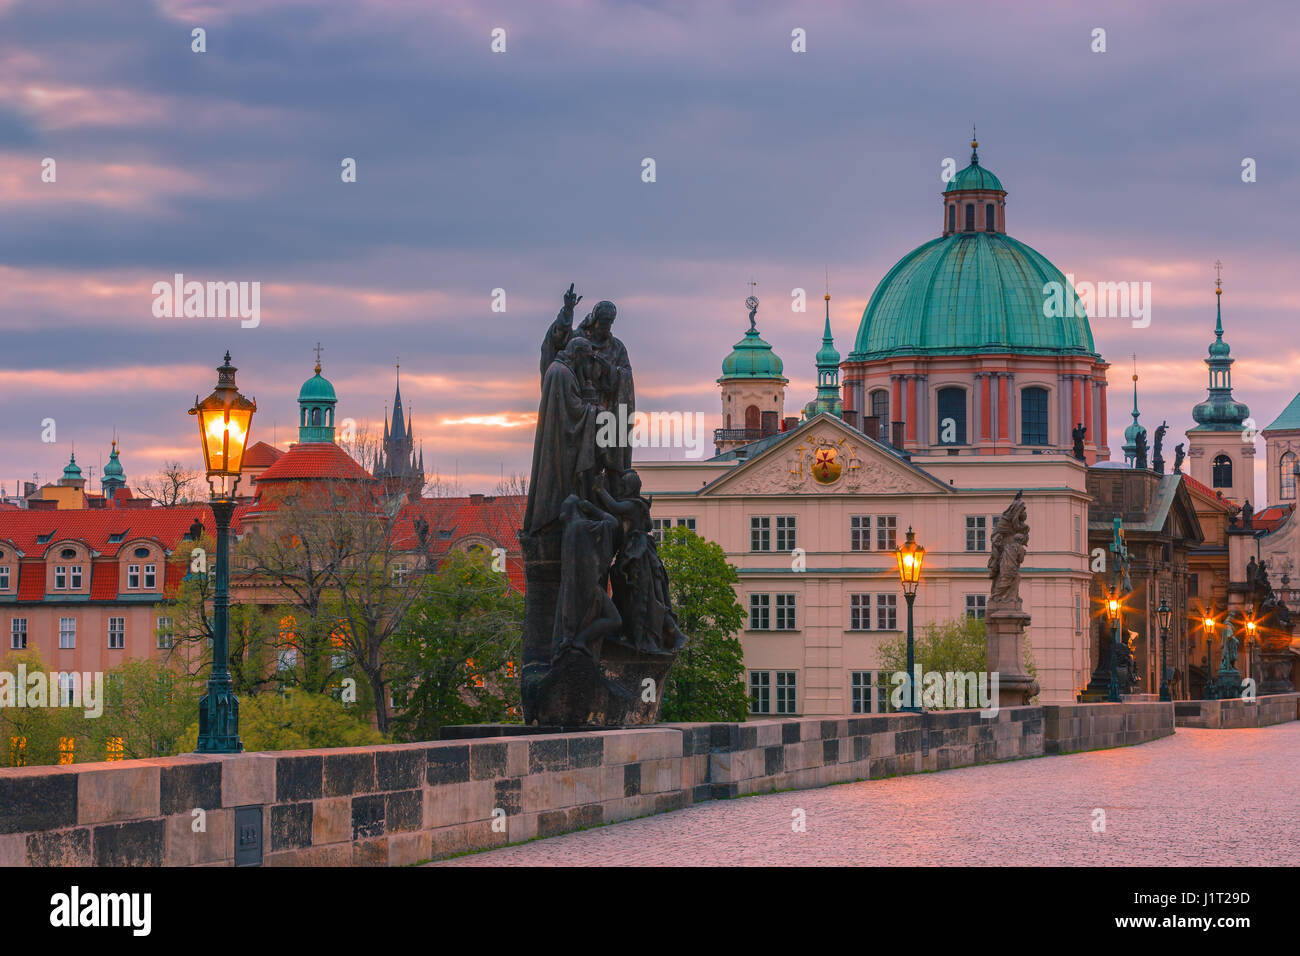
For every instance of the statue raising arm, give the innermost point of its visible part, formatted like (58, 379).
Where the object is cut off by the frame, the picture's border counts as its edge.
(557, 336)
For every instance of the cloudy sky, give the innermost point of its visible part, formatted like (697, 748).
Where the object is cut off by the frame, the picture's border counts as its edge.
(522, 171)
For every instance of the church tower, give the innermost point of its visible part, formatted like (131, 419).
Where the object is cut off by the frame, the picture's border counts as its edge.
(397, 464)
(828, 375)
(316, 401)
(1217, 448)
(114, 477)
(753, 389)
(1130, 446)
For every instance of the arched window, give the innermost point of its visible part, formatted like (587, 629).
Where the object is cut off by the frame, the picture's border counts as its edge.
(304, 416)
(988, 217)
(1223, 472)
(952, 217)
(880, 409)
(315, 416)
(1286, 468)
(753, 419)
(952, 412)
(970, 217)
(1033, 416)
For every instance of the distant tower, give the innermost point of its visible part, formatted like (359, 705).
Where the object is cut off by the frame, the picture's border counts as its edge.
(72, 476)
(398, 466)
(1133, 431)
(1217, 450)
(828, 375)
(316, 401)
(114, 477)
(753, 389)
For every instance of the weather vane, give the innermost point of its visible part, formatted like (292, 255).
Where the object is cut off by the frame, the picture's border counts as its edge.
(1218, 276)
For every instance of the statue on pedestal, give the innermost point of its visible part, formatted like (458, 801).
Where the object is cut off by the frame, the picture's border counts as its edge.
(591, 658)
(1157, 455)
(1005, 619)
(1079, 433)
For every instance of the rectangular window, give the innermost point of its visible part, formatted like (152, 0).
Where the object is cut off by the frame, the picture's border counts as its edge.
(860, 533)
(66, 686)
(1078, 535)
(288, 659)
(976, 604)
(133, 576)
(67, 633)
(883, 687)
(785, 617)
(1193, 585)
(887, 532)
(67, 749)
(150, 576)
(114, 749)
(951, 408)
(759, 610)
(166, 638)
(60, 577)
(785, 533)
(760, 534)
(4, 578)
(657, 528)
(18, 634)
(75, 576)
(760, 692)
(1033, 416)
(859, 612)
(1078, 614)
(116, 633)
(860, 692)
(785, 693)
(976, 533)
(686, 523)
(886, 612)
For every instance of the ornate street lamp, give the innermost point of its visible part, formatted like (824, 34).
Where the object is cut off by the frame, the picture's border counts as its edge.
(1250, 641)
(1210, 693)
(1164, 614)
(224, 420)
(910, 557)
(1114, 611)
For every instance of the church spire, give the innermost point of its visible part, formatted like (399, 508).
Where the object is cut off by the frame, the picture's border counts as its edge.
(828, 371)
(1220, 411)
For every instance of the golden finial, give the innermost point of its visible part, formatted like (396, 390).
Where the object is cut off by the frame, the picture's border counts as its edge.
(319, 349)
(828, 283)
(1218, 277)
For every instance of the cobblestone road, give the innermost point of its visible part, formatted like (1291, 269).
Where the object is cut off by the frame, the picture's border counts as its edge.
(1201, 796)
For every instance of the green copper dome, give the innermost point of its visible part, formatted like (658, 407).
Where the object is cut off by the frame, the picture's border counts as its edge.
(974, 176)
(317, 389)
(1220, 411)
(72, 471)
(751, 357)
(972, 292)
(113, 468)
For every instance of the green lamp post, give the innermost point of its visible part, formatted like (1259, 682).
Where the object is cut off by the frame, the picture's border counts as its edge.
(1164, 614)
(1211, 686)
(910, 557)
(1115, 611)
(224, 420)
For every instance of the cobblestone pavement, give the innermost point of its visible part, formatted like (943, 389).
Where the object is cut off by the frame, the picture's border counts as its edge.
(1226, 797)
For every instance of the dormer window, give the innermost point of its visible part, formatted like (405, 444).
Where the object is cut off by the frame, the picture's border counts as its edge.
(116, 538)
(150, 577)
(142, 552)
(68, 553)
(44, 538)
(75, 575)
(133, 576)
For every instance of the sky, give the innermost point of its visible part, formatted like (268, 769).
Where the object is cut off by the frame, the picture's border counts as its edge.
(522, 171)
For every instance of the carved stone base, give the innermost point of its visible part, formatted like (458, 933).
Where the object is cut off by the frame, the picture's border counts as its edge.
(1277, 673)
(1005, 629)
(1227, 684)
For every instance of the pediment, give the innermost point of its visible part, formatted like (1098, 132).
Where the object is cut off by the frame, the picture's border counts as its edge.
(825, 456)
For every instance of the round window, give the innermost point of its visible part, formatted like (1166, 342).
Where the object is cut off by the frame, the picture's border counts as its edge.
(67, 553)
(142, 552)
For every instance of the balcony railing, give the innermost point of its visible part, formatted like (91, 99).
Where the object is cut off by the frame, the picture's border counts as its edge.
(737, 434)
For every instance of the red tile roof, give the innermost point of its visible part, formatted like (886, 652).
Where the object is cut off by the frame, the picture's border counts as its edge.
(1272, 516)
(1206, 491)
(319, 460)
(31, 580)
(261, 455)
(453, 520)
(93, 527)
(103, 580)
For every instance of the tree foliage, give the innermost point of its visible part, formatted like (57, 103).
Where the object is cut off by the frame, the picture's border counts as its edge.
(708, 680)
(455, 656)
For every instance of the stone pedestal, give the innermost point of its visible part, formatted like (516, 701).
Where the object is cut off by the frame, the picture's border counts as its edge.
(1005, 630)
(1277, 672)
